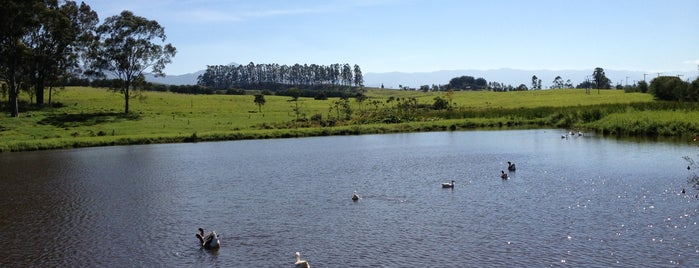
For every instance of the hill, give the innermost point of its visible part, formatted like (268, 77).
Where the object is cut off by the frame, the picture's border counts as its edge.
(507, 76)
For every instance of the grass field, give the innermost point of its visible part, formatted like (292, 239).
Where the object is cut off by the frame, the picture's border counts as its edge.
(94, 117)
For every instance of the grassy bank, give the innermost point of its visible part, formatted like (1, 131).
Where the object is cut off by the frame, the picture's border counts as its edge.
(94, 117)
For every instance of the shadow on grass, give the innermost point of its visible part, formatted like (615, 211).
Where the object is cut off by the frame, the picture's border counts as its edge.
(76, 120)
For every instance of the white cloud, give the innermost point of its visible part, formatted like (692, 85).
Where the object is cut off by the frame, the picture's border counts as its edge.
(224, 15)
(695, 62)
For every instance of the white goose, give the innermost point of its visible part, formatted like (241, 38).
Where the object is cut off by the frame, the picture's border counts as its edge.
(301, 263)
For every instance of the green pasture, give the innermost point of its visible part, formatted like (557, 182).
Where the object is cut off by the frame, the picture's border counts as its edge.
(94, 117)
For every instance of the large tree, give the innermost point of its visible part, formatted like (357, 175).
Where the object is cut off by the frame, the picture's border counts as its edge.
(673, 88)
(16, 21)
(558, 83)
(127, 47)
(58, 42)
(260, 100)
(600, 79)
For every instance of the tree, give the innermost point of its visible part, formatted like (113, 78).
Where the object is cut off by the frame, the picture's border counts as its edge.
(358, 78)
(558, 83)
(536, 82)
(294, 93)
(467, 83)
(16, 20)
(672, 88)
(260, 100)
(440, 103)
(642, 86)
(601, 81)
(126, 48)
(58, 43)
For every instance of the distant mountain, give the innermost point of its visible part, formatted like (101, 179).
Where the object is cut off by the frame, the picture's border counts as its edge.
(507, 76)
(183, 79)
(512, 77)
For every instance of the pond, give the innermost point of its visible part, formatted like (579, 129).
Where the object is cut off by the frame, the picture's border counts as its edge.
(576, 201)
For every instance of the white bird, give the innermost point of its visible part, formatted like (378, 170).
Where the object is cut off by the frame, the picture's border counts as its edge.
(301, 263)
(448, 184)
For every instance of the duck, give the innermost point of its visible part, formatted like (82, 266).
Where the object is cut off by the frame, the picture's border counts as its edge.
(301, 263)
(209, 241)
(511, 166)
(448, 184)
(504, 175)
(355, 196)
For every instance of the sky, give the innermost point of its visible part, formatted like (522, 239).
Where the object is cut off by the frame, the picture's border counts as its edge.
(427, 35)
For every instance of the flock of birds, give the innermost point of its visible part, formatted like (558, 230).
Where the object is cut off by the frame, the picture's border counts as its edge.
(571, 134)
(211, 242)
(510, 167)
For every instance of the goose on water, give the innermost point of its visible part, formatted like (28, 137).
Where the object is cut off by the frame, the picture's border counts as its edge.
(209, 241)
(448, 184)
(504, 175)
(355, 196)
(511, 166)
(301, 263)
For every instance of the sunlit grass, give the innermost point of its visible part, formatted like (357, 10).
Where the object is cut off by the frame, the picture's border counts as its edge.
(94, 117)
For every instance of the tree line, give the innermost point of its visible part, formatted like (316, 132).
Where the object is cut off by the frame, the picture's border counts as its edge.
(280, 77)
(50, 43)
(598, 81)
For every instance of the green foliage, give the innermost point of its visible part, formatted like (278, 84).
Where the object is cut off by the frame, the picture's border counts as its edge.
(260, 101)
(126, 48)
(90, 117)
(600, 79)
(467, 83)
(440, 104)
(674, 89)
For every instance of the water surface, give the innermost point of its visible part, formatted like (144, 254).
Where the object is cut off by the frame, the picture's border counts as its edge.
(583, 201)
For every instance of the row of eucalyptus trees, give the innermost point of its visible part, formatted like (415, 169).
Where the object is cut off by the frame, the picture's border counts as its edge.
(243, 76)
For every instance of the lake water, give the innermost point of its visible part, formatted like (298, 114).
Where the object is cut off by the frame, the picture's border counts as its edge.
(583, 202)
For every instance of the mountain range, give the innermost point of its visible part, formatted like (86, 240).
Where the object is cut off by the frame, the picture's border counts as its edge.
(506, 76)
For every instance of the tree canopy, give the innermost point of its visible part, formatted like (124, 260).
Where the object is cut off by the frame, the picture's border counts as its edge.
(40, 44)
(467, 83)
(674, 89)
(252, 75)
(127, 47)
(600, 79)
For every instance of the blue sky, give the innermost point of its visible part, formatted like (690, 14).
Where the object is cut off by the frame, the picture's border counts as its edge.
(429, 35)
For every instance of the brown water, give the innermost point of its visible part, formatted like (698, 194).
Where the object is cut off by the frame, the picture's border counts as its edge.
(580, 202)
